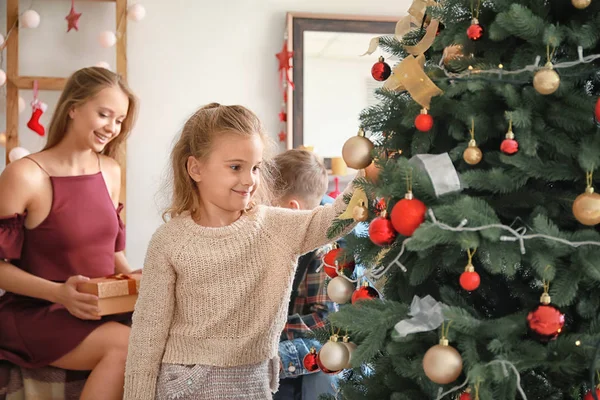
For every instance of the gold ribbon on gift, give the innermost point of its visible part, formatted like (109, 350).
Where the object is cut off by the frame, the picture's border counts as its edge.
(409, 73)
(132, 284)
(358, 197)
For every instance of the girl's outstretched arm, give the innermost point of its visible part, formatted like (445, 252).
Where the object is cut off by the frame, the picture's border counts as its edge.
(304, 231)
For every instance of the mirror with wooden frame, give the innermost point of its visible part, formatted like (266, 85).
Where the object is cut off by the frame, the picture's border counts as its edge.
(332, 81)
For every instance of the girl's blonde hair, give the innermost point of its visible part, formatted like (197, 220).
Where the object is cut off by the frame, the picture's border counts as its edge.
(197, 138)
(83, 85)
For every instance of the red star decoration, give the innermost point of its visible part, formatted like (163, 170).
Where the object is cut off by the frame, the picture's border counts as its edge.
(282, 136)
(73, 19)
(284, 57)
(283, 116)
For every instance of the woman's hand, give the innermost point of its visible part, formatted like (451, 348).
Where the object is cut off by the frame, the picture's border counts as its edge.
(80, 305)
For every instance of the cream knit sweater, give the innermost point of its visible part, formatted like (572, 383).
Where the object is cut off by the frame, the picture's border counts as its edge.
(219, 296)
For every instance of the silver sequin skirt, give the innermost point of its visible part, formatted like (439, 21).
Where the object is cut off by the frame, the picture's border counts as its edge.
(205, 382)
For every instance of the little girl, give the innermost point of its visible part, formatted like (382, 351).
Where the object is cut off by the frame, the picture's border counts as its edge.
(217, 277)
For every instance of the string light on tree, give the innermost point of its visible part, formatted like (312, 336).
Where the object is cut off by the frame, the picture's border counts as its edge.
(470, 280)
(586, 207)
(472, 154)
(509, 145)
(381, 70)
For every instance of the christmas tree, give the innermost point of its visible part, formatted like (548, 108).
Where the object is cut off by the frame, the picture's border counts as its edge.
(480, 206)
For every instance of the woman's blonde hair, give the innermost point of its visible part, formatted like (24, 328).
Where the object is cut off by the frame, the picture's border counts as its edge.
(197, 138)
(83, 85)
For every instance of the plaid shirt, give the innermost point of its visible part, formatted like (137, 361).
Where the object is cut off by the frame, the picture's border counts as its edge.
(311, 305)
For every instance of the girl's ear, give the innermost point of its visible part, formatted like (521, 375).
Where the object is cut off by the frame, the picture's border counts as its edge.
(193, 169)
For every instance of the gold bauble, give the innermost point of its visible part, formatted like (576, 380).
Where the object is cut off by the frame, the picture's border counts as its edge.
(351, 347)
(586, 208)
(334, 355)
(442, 363)
(581, 4)
(360, 213)
(546, 81)
(472, 154)
(340, 290)
(357, 151)
(372, 172)
(2, 139)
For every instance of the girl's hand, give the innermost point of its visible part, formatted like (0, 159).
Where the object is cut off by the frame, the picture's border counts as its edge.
(80, 305)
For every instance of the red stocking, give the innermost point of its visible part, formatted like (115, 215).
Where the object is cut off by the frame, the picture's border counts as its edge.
(34, 122)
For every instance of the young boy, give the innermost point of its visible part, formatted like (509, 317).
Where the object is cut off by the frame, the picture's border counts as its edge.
(301, 184)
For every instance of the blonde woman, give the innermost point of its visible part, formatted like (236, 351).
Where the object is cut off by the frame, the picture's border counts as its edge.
(60, 225)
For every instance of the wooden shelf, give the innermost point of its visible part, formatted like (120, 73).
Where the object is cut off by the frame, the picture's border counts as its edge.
(44, 82)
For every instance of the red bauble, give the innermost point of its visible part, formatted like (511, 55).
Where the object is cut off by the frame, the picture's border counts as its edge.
(408, 214)
(475, 31)
(589, 396)
(343, 263)
(465, 396)
(325, 370)
(546, 321)
(310, 361)
(597, 111)
(469, 280)
(381, 70)
(381, 231)
(424, 122)
(509, 146)
(364, 293)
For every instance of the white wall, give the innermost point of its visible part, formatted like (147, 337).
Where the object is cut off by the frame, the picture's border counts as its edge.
(185, 53)
(335, 92)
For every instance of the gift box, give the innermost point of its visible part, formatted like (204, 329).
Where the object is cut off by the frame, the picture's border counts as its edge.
(116, 293)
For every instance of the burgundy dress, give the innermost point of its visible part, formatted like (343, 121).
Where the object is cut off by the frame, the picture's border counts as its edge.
(79, 237)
